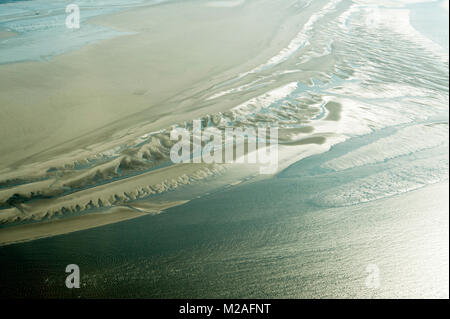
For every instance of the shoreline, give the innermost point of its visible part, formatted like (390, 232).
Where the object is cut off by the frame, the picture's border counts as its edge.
(87, 110)
(30, 232)
(83, 78)
(437, 31)
(86, 99)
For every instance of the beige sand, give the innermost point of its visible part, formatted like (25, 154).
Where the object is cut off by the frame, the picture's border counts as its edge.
(116, 193)
(286, 135)
(334, 111)
(107, 94)
(178, 50)
(63, 226)
(308, 140)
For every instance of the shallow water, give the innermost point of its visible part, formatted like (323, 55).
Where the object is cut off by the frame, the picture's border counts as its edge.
(40, 29)
(273, 238)
(435, 28)
(377, 197)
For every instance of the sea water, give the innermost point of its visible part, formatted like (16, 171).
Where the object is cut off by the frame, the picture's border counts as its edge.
(41, 32)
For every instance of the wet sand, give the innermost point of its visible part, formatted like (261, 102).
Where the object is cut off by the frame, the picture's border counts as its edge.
(62, 118)
(69, 225)
(334, 111)
(308, 140)
(101, 90)
(57, 114)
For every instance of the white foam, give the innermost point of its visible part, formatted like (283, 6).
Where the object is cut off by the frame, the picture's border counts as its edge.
(399, 21)
(300, 40)
(398, 180)
(405, 141)
(256, 104)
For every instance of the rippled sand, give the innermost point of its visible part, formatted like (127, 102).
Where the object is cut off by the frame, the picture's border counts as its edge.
(89, 130)
(360, 98)
(64, 122)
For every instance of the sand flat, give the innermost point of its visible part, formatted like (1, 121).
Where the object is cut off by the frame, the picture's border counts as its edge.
(334, 111)
(93, 99)
(175, 50)
(63, 226)
(115, 193)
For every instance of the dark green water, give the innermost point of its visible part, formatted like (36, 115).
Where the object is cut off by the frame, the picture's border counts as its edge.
(269, 239)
